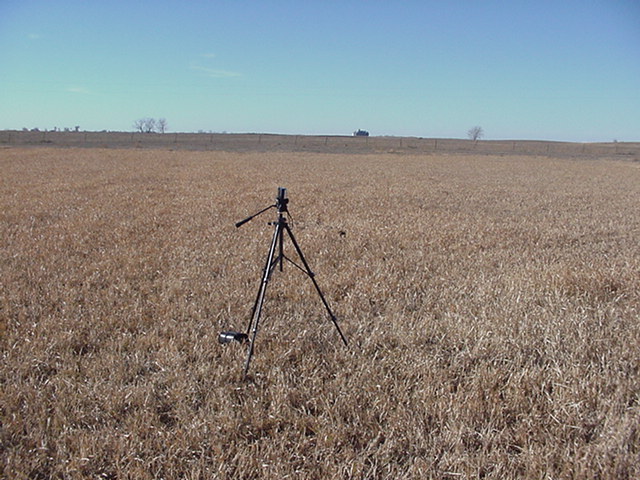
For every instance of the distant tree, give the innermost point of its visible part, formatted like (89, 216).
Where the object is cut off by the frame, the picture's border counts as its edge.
(475, 133)
(161, 125)
(149, 125)
(145, 125)
(138, 125)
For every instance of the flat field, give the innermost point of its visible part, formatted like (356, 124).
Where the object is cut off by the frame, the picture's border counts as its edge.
(491, 305)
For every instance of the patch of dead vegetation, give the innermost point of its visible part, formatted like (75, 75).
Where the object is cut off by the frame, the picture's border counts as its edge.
(491, 306)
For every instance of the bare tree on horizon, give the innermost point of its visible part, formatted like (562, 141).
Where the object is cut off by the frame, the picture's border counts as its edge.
(145, 125)
(475, 133)
(162, 125)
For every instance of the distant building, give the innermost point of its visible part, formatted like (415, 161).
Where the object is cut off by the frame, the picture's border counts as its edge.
(360, 133)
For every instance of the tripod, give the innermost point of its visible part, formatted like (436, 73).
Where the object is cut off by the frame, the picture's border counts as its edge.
(275, 259)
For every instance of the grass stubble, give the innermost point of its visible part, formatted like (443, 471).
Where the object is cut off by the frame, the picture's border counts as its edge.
(491, 304)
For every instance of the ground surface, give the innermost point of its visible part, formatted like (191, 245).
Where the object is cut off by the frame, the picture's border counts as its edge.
(491, 304)
(340, 144)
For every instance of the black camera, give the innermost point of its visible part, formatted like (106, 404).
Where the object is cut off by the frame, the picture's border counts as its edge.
(282, 200)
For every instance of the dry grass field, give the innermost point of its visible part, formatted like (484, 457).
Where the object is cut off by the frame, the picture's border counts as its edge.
(341, 144)
(491, 304)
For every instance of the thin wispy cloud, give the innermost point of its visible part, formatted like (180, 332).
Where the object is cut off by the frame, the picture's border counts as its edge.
(214, 72)
(78, 90)
(208, 55)
(34, 36)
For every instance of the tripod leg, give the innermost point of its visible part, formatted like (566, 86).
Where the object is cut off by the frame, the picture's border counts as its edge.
(257, 307)
(315, 284)
(268, 266)
(281, 234)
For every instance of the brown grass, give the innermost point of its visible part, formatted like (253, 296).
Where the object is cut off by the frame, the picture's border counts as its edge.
(341, 144)
(491, 306)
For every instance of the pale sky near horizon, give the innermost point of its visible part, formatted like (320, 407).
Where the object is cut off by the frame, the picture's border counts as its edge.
(548, 70)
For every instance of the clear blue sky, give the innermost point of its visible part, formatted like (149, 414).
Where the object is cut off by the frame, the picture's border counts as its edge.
(555, 70)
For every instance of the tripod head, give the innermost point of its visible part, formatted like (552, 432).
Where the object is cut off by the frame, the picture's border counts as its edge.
(282, 200)
(281, 205)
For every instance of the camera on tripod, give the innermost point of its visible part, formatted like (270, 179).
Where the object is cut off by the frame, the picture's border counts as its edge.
(282, 200)
(275, 258)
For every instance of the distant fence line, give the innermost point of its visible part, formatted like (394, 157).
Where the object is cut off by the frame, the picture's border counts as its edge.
(312, 143)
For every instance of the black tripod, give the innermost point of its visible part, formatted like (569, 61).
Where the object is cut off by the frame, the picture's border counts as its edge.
(275, 259)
